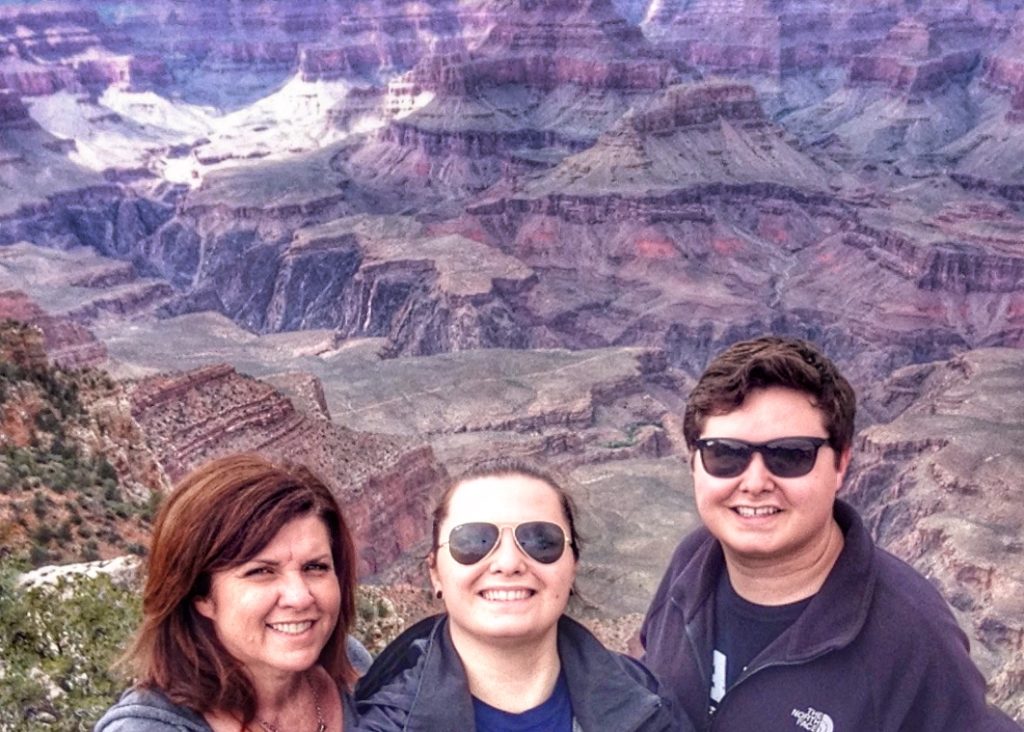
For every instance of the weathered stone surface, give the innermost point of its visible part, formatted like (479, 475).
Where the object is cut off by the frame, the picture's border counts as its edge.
(123, 571)
(68, 344)
(939, 486)
(543, 81)
(385, 484)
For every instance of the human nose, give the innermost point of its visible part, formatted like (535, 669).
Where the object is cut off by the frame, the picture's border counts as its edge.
(507, 557)
(757, 478)
(295, 590)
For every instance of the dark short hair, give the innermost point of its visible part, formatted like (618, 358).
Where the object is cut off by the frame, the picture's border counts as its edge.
(502, 468)
(772, 361)
(220, 516)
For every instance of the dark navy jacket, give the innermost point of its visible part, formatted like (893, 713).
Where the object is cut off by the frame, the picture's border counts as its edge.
(876, 650)
(418, 684)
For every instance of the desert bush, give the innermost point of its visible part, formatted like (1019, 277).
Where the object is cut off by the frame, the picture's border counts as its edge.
(57, 646)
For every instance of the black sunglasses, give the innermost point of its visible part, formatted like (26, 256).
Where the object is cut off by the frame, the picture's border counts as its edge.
(786, 457)
(539, 540)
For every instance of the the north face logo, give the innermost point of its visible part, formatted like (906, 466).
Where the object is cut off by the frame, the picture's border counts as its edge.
(813, 721)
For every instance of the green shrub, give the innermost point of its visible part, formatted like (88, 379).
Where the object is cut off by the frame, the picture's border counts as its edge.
(66, 638)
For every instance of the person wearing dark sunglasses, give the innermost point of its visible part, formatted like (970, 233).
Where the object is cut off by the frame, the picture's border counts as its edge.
(504, 656)
(780, 613)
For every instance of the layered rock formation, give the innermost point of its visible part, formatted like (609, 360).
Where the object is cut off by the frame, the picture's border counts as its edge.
(939, 487)
(709, 134)
(544, 80)
(385, 484)
(68, 344)
(763, 38)
(57, 47)
(76, 479)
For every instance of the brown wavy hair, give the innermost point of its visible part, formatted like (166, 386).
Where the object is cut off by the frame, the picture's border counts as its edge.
(218, 517)
(772, 361)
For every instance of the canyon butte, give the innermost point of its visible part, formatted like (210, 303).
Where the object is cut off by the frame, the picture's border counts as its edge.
(390, 238)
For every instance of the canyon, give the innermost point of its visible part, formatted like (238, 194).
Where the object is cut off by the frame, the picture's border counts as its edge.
(392, 238)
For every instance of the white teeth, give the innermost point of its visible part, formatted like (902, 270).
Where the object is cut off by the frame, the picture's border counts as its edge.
(749, 512)
(292, 628)
(505, 595)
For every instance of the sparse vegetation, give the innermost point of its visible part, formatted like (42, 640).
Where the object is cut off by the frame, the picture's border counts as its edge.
(54, 472)
(630, 432)
(59, 644)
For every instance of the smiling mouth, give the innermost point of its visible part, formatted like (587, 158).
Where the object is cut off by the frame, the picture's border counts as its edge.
(291, 628)
(506, 595)
(751, 512)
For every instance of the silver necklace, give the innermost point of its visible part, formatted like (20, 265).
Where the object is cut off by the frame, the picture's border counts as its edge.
(321, 726)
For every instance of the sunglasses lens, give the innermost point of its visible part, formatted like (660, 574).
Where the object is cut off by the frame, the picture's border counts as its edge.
(725, 458)
(792, 457)
(788, 457)
(542, 540)
(469, 543)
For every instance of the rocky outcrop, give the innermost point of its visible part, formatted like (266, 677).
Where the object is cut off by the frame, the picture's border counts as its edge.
(54, 47)
(363, 277)
(105, 218)
(938, 487)
(22, 343)
(913, 61)
(13, 111)
(69, 345)
(763, 38)
(693, 144)
(568, 68)
(385, 484)
(949, 266)
(1003, 71)
(123, 572)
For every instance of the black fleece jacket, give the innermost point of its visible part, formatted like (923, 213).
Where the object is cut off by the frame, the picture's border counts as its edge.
(876, 650)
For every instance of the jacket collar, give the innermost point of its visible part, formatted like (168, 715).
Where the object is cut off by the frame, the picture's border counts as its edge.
(443, 700)
(604, 697)
(438, 697)
(834, 616)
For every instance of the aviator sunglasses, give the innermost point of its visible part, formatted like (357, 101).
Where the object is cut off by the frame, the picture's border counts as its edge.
(540, 540)
(786, 457)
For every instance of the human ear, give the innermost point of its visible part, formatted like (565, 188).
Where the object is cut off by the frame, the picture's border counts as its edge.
(205, 607)
(435, 578)
(844, 462)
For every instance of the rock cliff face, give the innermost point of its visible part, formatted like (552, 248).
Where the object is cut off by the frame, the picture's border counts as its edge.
(911, 60)
(766, 38)
(543, 80)
(54, 47)
(385, 484)
(708, 134)
(938, 487)
(68, 344)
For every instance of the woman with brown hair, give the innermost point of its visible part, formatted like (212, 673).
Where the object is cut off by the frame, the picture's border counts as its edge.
(249, 595)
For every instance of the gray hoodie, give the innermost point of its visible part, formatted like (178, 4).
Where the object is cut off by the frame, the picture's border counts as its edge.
(148, 710)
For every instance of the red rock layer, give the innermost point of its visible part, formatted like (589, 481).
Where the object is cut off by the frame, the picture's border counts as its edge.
(384, 484)
(69, 344)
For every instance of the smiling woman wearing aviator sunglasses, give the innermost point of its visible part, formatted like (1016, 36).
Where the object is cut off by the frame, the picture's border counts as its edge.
(504, 656)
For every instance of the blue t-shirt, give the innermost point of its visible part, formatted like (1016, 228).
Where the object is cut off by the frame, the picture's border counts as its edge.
(554, 715)
(742, 630)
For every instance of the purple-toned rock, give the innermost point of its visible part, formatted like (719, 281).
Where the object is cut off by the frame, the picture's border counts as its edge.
(939, 486)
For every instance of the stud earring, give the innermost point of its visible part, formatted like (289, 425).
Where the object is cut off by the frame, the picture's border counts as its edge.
(439, 594)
